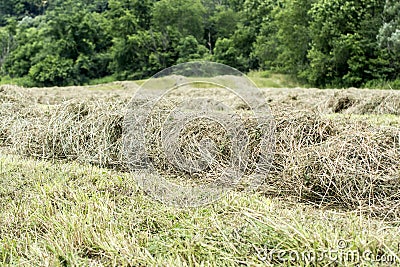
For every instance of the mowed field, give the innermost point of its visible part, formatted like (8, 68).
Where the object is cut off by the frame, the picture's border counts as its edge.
(332, 196)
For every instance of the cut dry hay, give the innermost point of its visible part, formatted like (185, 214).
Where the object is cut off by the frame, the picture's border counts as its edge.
(332, 163)
(88, 132)
(358, 168)
(200, 148)
(296, 131)
(85, 130)
(345, 101)
(15, 105)
(57, 95)
(367, 102)
(318, 160)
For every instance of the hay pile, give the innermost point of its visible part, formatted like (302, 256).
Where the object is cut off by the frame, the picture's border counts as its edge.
(356, 168)
(191, 145)
(296, 131)
(85, 130)
(14, 106)
(319, 160)
(359, 102)
(344, 101)
(330, 162)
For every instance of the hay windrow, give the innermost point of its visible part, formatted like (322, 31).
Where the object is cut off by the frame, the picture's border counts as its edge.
(343, 101)
(356, 168)
(86, 131)
(317, 159)
(296, 131)
(200, 148)
(367, 102)
(15, 105)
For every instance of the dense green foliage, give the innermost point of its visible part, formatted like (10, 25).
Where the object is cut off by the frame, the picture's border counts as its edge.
(320, 42)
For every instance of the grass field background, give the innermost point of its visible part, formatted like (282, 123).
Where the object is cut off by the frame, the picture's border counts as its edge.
(72, 212)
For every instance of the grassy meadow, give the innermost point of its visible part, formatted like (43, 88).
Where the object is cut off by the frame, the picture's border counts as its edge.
(70, 202)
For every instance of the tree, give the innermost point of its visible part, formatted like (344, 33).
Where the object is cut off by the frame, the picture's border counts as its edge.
(144, 53)
(292, 36)
(252, 32)
(7, 41)
(122, 18)
(225, 22)
(389, 36)
(71, 34)
(186, 16)
(29, 42)
(20, 8)
(189, 50)
(343, 42)
(226, 53)
(53, 70)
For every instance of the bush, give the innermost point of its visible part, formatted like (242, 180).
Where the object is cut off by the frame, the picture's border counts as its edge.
(53, 71)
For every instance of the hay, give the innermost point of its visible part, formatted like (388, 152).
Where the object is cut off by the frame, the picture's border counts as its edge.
(86, 131)
(48, 123)
(356, 168)
(15, 104)
(297, 130)
(341, 103)
(328, 162)
(200, 147)
(317, 160)
(382, 105)
(363, 102)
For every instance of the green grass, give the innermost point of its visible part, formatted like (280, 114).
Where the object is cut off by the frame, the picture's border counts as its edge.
(140, 82)
(265, 79)
(23, 81)
(107, 79)
(262, 79)
(105, 87)
(66, 214)
(383, 84)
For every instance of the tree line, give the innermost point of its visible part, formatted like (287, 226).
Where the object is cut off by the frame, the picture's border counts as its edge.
(323, 43)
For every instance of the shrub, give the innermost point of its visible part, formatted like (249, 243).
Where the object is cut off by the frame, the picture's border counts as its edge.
(53, 71)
